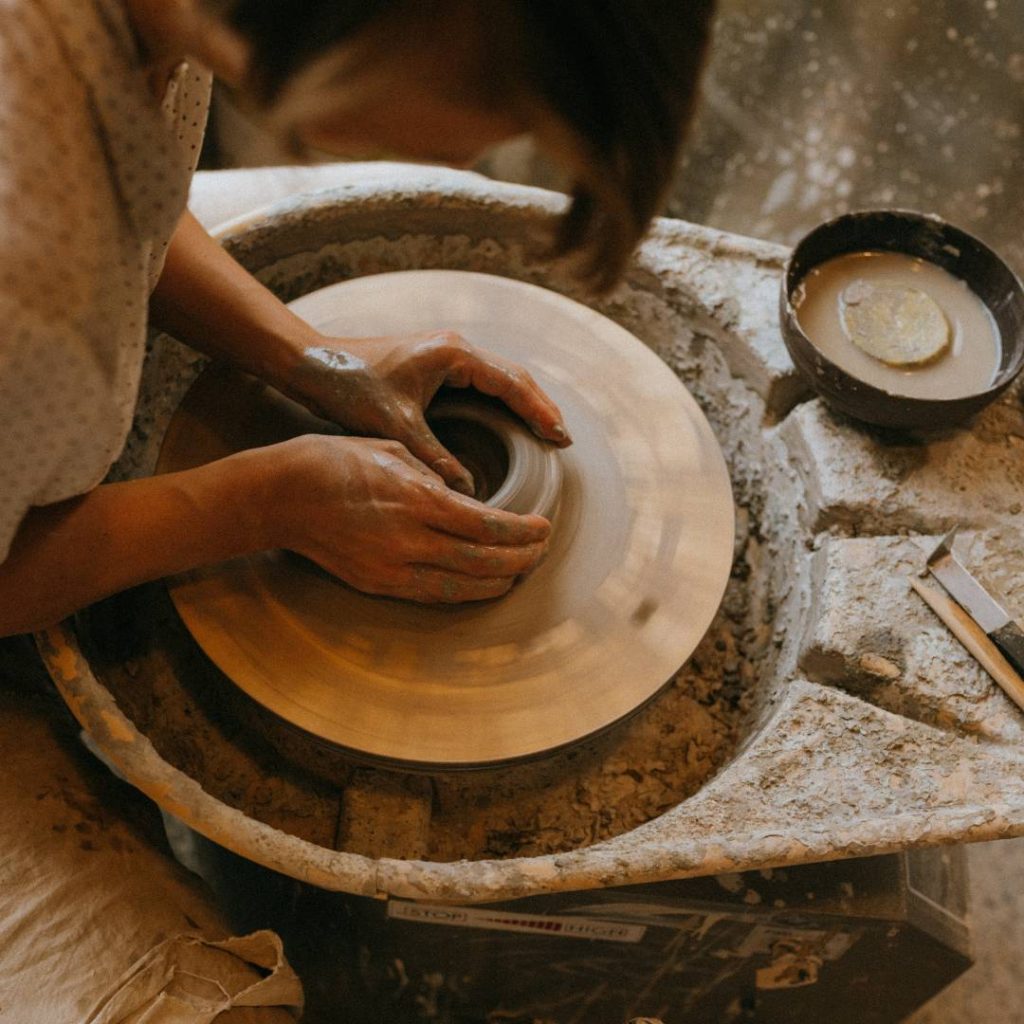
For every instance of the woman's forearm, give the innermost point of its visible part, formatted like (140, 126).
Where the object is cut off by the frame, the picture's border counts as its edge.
(68, 555)
(209, 301)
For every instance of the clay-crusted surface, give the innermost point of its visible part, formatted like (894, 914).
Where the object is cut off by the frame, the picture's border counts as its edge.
(866, 636)
(869, 729)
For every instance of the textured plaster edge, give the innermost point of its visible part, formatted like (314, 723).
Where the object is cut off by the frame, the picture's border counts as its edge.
(131, 754)
(681, 843)
(376, 179)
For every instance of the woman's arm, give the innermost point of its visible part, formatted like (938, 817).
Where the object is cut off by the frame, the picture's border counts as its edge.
(370, 512)
(365, 510)
(209, 301)
(68, 555)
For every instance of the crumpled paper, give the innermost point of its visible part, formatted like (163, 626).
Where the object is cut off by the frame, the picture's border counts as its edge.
(189, 980)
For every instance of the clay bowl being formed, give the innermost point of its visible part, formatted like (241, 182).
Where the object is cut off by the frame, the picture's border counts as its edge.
(511, 468)
(928, 238)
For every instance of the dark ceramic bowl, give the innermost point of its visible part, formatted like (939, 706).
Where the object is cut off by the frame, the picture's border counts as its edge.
(929, 238)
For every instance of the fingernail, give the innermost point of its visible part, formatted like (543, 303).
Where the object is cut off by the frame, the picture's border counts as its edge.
(465, 485)
(559, 433)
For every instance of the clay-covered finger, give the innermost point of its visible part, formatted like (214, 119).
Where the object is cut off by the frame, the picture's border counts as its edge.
(422, 443)
(430, 585)
(486, 560)
(465, 517)
(494, 376)
(397, 450)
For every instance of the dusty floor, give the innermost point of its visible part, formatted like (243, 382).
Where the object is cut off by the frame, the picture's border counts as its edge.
(992, 990)
(812, 109)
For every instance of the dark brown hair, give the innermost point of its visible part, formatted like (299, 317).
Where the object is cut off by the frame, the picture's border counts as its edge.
(618, 77)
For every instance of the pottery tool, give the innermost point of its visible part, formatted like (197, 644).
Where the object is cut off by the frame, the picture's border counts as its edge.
(973, 637)
(640, 553)
(981, 624)
(994, 620)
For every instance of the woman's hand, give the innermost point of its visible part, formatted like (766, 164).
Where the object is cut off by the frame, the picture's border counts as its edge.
(380, 387)
(372, 514)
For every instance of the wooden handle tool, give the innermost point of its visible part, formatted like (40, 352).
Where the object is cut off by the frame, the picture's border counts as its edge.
(995, 621)
(974, 638)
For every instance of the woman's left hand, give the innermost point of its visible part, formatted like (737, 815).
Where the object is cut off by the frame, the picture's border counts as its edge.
(380, 387)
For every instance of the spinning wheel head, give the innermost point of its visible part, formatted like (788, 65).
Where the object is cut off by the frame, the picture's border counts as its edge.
(640, 553)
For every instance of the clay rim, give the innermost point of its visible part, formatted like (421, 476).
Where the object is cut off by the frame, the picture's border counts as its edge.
(532, 484)
(928, 237)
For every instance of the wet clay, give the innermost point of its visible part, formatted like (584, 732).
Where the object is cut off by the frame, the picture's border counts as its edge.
(901, 324)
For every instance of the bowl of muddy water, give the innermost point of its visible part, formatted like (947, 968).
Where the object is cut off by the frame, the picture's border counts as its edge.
(901, 320)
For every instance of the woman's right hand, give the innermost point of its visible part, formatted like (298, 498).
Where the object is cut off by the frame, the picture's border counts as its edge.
(370, 513)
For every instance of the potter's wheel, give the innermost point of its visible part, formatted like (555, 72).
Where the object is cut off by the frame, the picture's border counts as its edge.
(640, 553)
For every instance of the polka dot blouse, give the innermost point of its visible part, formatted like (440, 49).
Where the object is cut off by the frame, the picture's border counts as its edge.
(94, 174)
